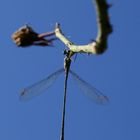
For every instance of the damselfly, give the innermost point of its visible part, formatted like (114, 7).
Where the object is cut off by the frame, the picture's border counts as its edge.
(44, 84)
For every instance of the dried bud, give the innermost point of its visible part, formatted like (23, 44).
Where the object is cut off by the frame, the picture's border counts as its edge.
(26, 36)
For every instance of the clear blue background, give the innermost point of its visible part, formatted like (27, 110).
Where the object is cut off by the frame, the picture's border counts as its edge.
(116, 73)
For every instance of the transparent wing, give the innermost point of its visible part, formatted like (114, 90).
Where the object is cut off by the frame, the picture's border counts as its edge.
(40, 86)
(89, 90)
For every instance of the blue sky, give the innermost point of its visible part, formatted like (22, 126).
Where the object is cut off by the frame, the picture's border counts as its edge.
(115, 73)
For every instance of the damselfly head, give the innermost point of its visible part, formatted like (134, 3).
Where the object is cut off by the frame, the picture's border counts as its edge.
(65, 52)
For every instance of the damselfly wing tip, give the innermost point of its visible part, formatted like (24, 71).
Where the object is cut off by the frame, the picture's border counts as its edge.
(22, 96)
(103, 100)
